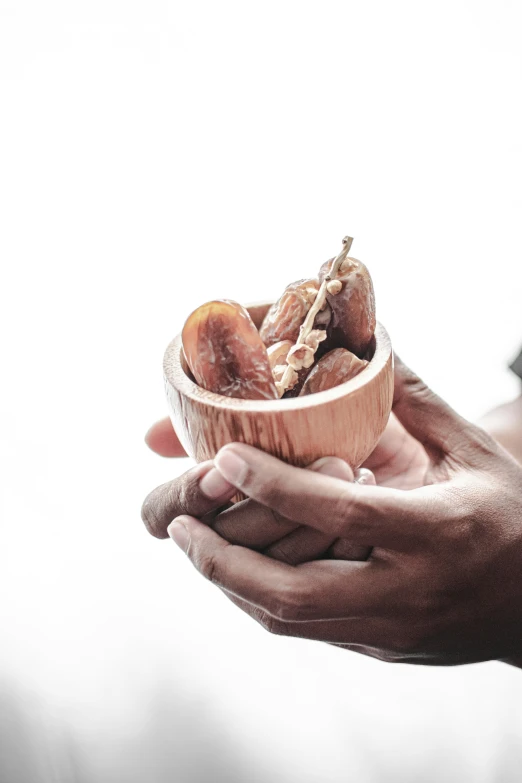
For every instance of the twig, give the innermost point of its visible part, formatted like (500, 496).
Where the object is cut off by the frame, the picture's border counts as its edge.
(289, 376)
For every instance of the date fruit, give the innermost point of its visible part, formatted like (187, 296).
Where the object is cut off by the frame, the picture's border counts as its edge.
(226, 353)
(285, 317)
(337, 366)
(353, 308)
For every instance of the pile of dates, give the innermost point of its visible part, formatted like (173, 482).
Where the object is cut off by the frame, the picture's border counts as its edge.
(316, 336)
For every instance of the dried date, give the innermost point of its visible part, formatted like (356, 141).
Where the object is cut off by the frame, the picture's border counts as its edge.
(336, 367)
(226, 353)
(285, 317)
(352, 305)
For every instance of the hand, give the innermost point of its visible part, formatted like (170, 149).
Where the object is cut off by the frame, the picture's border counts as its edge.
(203, 492)
(399, 460)
(443, 583)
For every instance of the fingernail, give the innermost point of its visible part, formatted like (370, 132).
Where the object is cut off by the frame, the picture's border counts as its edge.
(179, 533)
(231, 466)
(213, 485)
(365, 476)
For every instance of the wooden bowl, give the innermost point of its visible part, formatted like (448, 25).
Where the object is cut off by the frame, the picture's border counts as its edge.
(346, 421)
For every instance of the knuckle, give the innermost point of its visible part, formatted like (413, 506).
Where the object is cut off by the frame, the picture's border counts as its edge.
(461, 523)
(415, 386)
(177, 499)
(341, 513)
(459, 534)
(478, 445)
(292, 604)
(284, 553)
(456, 532)
(287, 551)
(272, 492)
(272, 625)
(208, 565)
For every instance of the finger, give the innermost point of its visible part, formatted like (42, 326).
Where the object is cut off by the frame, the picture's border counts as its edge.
(367, 635)
(305, 544)
(256, 526)
(312, 591)
(301, 546)
(162, 439)
(344, 549)
(426, 416)
(365, 514)
(334, 632)
(365, 476)
(252, 525)
(199, 491)
(334, 467)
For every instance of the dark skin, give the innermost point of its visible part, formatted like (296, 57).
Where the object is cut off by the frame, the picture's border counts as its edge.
(423, 568)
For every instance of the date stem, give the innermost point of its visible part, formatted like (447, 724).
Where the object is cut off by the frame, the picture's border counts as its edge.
(347, 244)
(289, 375)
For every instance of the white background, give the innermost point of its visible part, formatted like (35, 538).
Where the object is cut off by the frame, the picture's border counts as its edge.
(157, 154)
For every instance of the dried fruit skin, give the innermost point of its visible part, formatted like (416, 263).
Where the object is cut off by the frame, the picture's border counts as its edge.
(353, 308)
(285, 317)
(225, 352)
(337, 366)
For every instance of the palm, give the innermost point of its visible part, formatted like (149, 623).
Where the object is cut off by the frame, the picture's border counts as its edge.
(399, 460)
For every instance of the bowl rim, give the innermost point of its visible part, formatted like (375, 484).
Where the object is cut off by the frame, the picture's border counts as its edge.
(179, 380)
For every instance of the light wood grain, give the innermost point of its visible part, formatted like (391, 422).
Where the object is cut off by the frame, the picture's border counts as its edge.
(346, 421)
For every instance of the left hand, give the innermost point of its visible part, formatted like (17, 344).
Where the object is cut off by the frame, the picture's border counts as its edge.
(247, 523)
(442, 585)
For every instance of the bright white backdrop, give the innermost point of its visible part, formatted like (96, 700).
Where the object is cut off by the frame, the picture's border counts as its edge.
(157, 154)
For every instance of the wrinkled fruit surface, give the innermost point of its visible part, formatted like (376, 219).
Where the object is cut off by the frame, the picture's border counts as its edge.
(285, 317)
(337, 366)
(353, 308)
(226, 353)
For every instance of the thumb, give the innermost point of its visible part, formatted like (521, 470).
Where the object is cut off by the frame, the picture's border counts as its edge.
(162, 439)
(425, 415)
